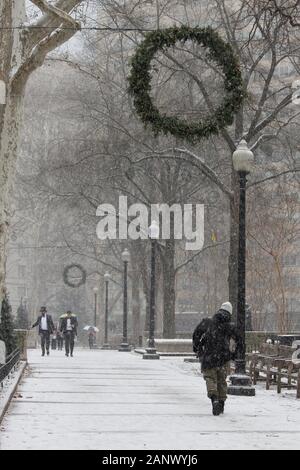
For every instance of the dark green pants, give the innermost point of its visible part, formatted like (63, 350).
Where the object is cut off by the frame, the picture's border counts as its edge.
(216, 382)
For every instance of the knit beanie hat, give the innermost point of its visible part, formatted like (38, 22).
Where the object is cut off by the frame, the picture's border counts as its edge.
(227, 307)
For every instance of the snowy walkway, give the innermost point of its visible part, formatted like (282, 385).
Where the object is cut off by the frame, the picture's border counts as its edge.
(111, 400)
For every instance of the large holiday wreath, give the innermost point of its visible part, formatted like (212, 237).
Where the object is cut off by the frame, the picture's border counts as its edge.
(218, 51)
(81, 281)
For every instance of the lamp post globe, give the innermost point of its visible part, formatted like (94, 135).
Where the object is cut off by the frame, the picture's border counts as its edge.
(154, 231)
(243, 158)
(243, 162)
(126, 256)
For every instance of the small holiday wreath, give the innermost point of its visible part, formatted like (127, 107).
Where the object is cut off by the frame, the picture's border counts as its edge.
(219, 52)
(66, 275)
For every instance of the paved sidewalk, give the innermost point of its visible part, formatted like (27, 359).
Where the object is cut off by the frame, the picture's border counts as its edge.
(111, 400)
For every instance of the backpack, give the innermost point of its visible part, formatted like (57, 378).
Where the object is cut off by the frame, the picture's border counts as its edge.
(199, 336)
(218, 345)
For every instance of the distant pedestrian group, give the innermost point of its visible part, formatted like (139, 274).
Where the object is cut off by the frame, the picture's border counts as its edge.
(66, 331)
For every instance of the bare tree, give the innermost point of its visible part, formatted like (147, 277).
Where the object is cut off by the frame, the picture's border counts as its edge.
(24, 47)
(288, 10)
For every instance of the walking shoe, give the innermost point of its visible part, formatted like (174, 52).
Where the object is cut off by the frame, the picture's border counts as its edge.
(67, 355)
(43, 354)
(216, 406)
(48, 353)
(222, 406)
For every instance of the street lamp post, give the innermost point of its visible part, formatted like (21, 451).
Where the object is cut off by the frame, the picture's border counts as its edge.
(151, 352)
(95, 290)
(107, 278)
(124, 347)
(241, 385)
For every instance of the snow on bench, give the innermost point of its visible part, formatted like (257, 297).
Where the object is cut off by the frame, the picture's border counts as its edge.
(174, 345)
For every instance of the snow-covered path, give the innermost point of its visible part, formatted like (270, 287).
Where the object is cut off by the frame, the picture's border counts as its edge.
(111, 400)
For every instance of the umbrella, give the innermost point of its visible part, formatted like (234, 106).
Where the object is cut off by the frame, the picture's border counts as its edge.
(64, 315)
(87, 328)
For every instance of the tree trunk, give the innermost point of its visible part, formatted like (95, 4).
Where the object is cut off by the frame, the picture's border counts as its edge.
(8, 155)
(234, 244)
(283, 321)
(22, 52)
(11, 14)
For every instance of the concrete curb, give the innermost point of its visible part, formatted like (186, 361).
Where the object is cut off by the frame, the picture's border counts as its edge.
(11, 390)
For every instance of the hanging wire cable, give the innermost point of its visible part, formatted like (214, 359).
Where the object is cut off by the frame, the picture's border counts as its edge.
(84, 28)
(94, 28)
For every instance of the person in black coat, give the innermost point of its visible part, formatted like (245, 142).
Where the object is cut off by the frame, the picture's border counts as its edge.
(46, 328)
(68, 327)
(214, 342)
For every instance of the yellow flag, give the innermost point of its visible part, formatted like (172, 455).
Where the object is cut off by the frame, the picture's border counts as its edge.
(214, 236)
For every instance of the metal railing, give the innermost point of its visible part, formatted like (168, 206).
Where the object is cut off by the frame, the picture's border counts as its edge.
(11, 362)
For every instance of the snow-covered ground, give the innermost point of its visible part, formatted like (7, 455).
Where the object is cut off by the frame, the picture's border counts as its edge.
(6, 384)
(111, 400)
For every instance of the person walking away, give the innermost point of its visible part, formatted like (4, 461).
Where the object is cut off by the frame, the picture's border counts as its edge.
(92, 337)
(214, 342)
(46, 329)
(68, 327)
(60, 340)
(59, 337)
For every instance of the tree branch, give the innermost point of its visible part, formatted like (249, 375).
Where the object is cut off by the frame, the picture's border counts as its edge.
(265, 122)
(38, 54)
(208, 247)
(47, 8)
(207, 171)
(269, 178)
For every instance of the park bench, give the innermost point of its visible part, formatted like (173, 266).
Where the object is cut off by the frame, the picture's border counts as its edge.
(275, 366)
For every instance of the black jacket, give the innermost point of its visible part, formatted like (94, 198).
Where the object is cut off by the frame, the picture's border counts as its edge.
(211, 340)
(64, 323)
(50, 324)
(200, 330)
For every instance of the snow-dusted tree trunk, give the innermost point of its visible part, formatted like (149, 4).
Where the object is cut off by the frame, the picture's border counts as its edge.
(21, 52)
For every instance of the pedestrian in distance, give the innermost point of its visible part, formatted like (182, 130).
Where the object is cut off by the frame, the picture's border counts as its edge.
(92, 338)
(46, 329)
(59, 337)
(68, 328)
(60, 341)
(215, 343)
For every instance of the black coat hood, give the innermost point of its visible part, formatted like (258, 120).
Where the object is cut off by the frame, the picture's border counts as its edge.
(221, 317)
